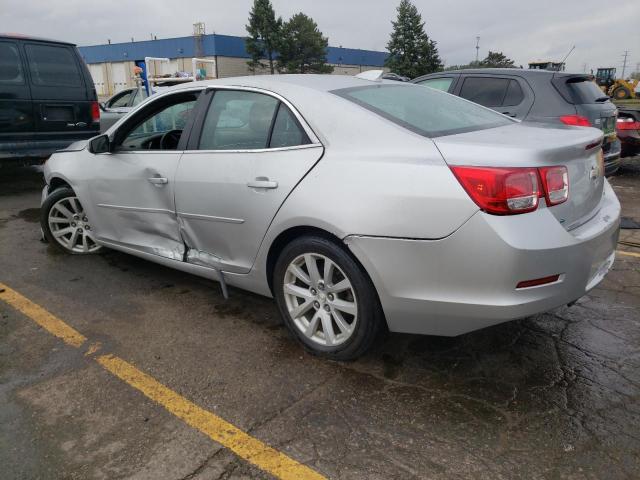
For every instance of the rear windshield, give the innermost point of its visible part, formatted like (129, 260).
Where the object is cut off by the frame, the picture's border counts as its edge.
(585, 91)
(424, 110)
(53, 65)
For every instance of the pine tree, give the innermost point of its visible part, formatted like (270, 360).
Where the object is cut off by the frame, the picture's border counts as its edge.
(264, 34)
(411, 52)
(302, 49)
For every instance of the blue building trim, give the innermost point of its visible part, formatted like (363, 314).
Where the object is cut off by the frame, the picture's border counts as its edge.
(213, 44)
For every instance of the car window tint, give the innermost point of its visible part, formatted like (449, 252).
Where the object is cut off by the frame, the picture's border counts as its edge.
(437, 83)
(286, 130)
(425, 111)
(514, 95)
(238, 120)
(10, 64)
(121, 101)
(53, 66)
(486, 91)
(173, 117)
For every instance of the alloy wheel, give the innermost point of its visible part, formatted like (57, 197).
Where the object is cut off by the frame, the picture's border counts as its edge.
(320, 299)
(70, 226)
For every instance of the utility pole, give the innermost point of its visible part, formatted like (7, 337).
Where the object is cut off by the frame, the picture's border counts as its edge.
(624, 62)
(477, 48)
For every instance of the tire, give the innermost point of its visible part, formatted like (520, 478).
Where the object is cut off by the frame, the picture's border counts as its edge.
(62, 211)
(621, 93)
(341, 319)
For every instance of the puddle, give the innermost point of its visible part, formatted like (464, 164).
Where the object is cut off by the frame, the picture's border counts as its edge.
(29, 215)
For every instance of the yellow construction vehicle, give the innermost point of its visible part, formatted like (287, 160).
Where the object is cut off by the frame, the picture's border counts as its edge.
(618, 89)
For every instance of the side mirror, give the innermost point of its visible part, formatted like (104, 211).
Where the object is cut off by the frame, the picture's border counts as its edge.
(100, 144)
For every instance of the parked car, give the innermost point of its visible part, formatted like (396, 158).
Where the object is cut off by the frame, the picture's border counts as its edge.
(120, 104)
(354, 203)
(537, 96)
(628, 131)
(47, 97)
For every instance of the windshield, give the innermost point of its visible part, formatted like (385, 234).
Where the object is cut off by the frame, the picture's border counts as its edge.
(424, 110)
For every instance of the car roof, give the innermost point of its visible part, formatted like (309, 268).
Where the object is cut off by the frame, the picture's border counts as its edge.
(521, 72)
(20, 36)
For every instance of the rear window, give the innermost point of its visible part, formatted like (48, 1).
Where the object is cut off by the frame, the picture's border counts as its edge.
(52, 65)
(586, 91)
(486, 91)
(425, 111)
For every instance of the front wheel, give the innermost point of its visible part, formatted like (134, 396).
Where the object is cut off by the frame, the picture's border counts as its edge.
(326, 299)
(65, 223)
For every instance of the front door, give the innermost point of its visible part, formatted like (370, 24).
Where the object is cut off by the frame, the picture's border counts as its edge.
(132, 188)
(248, 154)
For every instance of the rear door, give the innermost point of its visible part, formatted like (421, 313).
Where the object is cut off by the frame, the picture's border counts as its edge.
(16, 112)
(245, 156)
(508, 95)
(61, 99)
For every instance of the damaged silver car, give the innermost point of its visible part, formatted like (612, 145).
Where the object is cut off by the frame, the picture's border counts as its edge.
(358, 204)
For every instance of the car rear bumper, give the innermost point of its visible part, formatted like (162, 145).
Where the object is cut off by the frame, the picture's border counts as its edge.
(468, 280)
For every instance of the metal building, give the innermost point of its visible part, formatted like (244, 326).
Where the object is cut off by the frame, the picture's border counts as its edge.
(111, 65)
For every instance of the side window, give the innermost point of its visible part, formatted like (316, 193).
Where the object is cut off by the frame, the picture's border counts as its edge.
(139, 96)
(238, 120)
(121, 100)
(53, 66)
(286, 130)
(438, 83)
(10, 64)
(486, 91)
(515, 95)
(162, 127)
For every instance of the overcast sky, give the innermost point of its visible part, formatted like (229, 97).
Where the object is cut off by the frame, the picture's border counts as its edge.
(522, 30)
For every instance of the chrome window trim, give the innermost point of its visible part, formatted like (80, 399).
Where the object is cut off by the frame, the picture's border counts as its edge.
(253, 150)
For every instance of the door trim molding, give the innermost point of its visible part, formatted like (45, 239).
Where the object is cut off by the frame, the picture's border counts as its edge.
(211, 218)
(137, 209)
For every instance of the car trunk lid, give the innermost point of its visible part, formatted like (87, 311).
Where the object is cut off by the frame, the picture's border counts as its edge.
(576, 148)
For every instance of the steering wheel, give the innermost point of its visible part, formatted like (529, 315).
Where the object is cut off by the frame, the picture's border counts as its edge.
(170, 140)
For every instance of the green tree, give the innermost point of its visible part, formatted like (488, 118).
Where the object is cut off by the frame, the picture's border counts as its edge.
(264, 34)
(496, 60)
(411, 52)
(302, 49)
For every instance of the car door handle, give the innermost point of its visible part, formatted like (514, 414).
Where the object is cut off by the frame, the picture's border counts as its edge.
(158, 181)
(262, 182)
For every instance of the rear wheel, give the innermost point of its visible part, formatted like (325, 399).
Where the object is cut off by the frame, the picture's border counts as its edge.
(621, 93)
(65, 223)
(326, 299)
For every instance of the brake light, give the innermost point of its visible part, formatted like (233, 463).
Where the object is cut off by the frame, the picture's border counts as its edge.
(500, 191)
(555, 184)
(627, 124)
(95, 112)
(575, 120)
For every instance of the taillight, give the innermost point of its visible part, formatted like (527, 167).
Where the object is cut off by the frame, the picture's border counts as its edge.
(500, 191)
(627, 124)
(95, 112)
(575, 120)
(555, 184)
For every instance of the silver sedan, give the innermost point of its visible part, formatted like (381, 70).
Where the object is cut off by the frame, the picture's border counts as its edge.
(357, 204)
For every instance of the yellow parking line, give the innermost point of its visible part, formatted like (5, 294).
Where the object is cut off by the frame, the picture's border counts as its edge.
(219, 430)
(49, 322)
(631, 254)
(242, 444)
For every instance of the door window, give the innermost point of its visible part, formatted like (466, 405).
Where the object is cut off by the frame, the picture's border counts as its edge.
(438, 83)
(486, 91)
(120, 100)
(286, 130)
(139, 96)
(162, 127)
(515, 95)
(10, 64)
(238, 120)
(52, 65)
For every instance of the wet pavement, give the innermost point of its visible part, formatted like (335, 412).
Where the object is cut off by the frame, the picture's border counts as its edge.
(552, 396)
